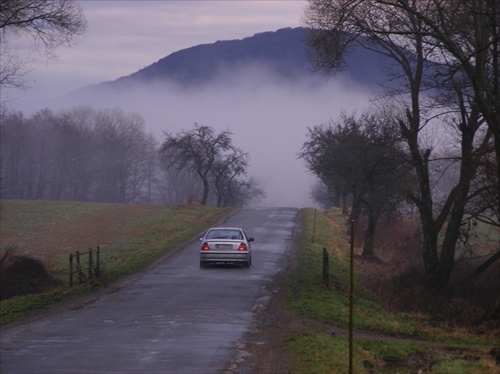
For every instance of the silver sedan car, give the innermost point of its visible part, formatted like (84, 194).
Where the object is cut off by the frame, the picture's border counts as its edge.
(226, 244)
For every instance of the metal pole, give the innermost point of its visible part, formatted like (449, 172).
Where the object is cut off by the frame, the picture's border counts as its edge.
(314, 226)
(351, 302)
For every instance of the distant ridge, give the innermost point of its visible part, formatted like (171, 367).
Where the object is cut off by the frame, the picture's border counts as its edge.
(282, 53)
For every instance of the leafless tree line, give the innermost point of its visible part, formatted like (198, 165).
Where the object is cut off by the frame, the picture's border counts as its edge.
(361, 163)
(106, 155)
(445, 78)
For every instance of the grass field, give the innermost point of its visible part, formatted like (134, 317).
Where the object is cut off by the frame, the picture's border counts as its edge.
(131, 237)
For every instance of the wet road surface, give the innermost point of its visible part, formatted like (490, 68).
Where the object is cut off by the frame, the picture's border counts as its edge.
(176, 318)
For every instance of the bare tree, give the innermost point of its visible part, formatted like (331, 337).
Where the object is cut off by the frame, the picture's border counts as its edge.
(199, 150)
(243, 192)
(227, 169)
(484, 198)
(466, 37)
(173, 186)
(123, 151)
(409, 32)
(12, 68)
(218, 164)
(48, 23)
(17, 144)
(81, 154)
(320, 193)
(364, 156)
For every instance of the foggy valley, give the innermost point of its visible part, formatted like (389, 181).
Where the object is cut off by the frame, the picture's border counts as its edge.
(267, 108)
(268, 120)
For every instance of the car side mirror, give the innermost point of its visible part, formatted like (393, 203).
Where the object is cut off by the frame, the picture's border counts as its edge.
(251, 240)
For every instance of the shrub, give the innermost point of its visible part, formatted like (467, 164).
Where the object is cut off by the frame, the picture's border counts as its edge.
(21, 274)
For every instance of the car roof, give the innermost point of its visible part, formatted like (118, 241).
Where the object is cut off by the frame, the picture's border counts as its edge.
(225, 228)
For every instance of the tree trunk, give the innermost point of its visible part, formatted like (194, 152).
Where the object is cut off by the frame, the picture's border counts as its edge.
(218, 193)
(497, 153)
(345, 205)
(440, 277)
(206, 188)
(370, 235)
(459, 199)
(430, 244)
(337, 195)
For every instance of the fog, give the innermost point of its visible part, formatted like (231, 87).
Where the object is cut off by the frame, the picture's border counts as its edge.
(267, 116)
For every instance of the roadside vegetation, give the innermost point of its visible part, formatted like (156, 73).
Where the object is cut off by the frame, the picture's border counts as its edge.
(398, 327)
(430, 144)
(131, 238)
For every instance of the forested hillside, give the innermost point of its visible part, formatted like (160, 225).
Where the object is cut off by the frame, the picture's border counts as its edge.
(283, 53)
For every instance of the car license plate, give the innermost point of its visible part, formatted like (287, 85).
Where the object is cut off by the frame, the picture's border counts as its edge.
(224, 246)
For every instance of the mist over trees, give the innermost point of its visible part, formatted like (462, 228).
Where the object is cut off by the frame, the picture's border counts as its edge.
(445, 80)
(105, 155)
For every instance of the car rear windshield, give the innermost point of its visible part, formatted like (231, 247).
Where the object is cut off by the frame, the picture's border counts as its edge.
(224, 234)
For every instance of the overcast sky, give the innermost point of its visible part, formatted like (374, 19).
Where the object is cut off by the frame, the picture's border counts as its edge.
(125, 36)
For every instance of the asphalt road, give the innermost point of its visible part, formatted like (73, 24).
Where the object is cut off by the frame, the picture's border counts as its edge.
(176, 318)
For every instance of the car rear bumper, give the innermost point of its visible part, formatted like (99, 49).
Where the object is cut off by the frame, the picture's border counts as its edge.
(212, 256)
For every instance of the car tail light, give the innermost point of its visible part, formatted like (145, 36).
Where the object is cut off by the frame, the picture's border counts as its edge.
(205, 247)
(242, 247)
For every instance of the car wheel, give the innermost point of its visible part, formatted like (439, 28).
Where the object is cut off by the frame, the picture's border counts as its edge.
(202, 264)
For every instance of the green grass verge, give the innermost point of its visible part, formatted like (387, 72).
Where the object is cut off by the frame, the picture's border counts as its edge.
(317, 352)
(309, 297)
(321, 353)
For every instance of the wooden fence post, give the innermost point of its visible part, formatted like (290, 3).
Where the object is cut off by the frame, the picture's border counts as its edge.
(97, 264)
(71, 270)
(90, 263)
(94, 265)
(326, 269)
(79, 268)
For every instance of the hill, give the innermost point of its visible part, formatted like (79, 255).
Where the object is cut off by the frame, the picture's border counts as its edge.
(282, 53)
(262, 88)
